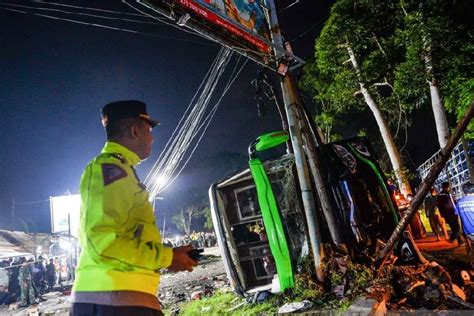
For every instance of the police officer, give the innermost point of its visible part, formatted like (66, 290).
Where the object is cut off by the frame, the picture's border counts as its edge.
(122, 251)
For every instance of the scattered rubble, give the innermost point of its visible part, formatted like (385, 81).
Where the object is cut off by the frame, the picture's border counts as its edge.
(396, 287)
(295, 307)
(205, 279)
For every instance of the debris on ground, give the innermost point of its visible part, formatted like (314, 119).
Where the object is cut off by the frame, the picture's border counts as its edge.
(427, 286)
(208, 277)
(396, 287)
(295, 307)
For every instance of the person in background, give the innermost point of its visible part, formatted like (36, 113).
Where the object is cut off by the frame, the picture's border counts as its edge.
(39, 270)
(57, 268)
(51, 274)
(25, 278)
(14, 284)
(437, 222)
(200, 240)
(416, 223)
(447, 208)
(4, 281)
(466, 209)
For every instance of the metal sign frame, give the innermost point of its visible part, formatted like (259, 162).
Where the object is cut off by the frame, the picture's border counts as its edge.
(199, 17)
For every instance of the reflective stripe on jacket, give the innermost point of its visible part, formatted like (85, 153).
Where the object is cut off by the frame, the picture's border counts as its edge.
(121, 245)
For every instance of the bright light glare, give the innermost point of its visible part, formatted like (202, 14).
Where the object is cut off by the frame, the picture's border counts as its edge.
(65, 212)
(64, 244)
(161, 181)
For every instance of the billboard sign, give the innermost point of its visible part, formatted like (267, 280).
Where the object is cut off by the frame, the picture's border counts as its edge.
(65, 212)
(244, 18)
(238, 24)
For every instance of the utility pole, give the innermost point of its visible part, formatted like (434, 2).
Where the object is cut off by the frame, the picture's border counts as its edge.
(291, 103)
(13, 213)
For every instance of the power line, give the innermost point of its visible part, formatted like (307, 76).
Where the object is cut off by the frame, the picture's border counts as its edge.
(193, 125)
(305, 32)
(241, 50)
(30, 202)
(87, 8)
(163, 20)
(289, 6)
(79, 13)
(104, 26)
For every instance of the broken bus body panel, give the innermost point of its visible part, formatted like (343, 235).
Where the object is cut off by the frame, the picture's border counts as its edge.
(240, 229)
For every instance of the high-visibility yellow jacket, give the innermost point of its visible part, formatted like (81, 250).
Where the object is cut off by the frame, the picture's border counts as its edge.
(120, 243)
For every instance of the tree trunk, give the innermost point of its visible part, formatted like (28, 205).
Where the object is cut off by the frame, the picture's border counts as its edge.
(387, 137)
(426, 185)
(442, 128)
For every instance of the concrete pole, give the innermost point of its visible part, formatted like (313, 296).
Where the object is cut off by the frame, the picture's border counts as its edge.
(307, 194)
(291, 101)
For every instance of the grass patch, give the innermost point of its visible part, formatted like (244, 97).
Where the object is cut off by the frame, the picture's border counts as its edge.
(356, 280)
(221, 303)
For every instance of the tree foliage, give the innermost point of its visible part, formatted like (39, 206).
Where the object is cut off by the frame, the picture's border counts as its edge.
(437, 26)
(184, 218)
(390, 40)
(368, 27)
(207, 215)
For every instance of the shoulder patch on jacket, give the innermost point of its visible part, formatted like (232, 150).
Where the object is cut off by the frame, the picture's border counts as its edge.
(111, 173)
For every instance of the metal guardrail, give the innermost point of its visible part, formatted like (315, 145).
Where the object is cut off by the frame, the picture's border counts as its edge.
(455, 172)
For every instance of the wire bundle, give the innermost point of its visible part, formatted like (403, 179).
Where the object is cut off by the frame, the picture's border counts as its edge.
(192, 125)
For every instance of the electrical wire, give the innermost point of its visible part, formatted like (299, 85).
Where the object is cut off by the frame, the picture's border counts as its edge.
(193, 125)
(174, 153)
(103, 26)
(86, 8)
(158, 18)
(305, 32)
(31, 202)
(78, 13)
(289, 6)
(189, 30)
(207, 123)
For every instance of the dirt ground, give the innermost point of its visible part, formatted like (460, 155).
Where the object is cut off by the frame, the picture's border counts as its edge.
(174, 288)
(208, 276)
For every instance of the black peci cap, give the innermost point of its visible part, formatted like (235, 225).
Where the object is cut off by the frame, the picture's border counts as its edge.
(126, 109)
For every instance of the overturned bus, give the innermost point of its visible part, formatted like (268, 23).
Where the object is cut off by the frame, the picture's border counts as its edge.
(259, 218)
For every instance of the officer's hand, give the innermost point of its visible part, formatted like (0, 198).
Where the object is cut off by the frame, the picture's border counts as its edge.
(181, 260)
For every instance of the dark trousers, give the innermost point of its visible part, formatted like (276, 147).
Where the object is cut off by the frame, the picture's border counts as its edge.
(453, 221)
(85, 309)
(51, 279)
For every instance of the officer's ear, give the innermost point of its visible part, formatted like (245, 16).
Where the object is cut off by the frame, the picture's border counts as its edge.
(135, 129)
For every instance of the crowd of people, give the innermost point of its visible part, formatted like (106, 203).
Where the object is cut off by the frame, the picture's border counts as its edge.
(26, 280)
(196, 239)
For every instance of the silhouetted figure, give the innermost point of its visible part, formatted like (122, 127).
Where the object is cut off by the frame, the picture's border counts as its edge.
(447, 209)
(51, 274)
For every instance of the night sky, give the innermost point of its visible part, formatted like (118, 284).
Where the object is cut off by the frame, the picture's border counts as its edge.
(56, 76)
